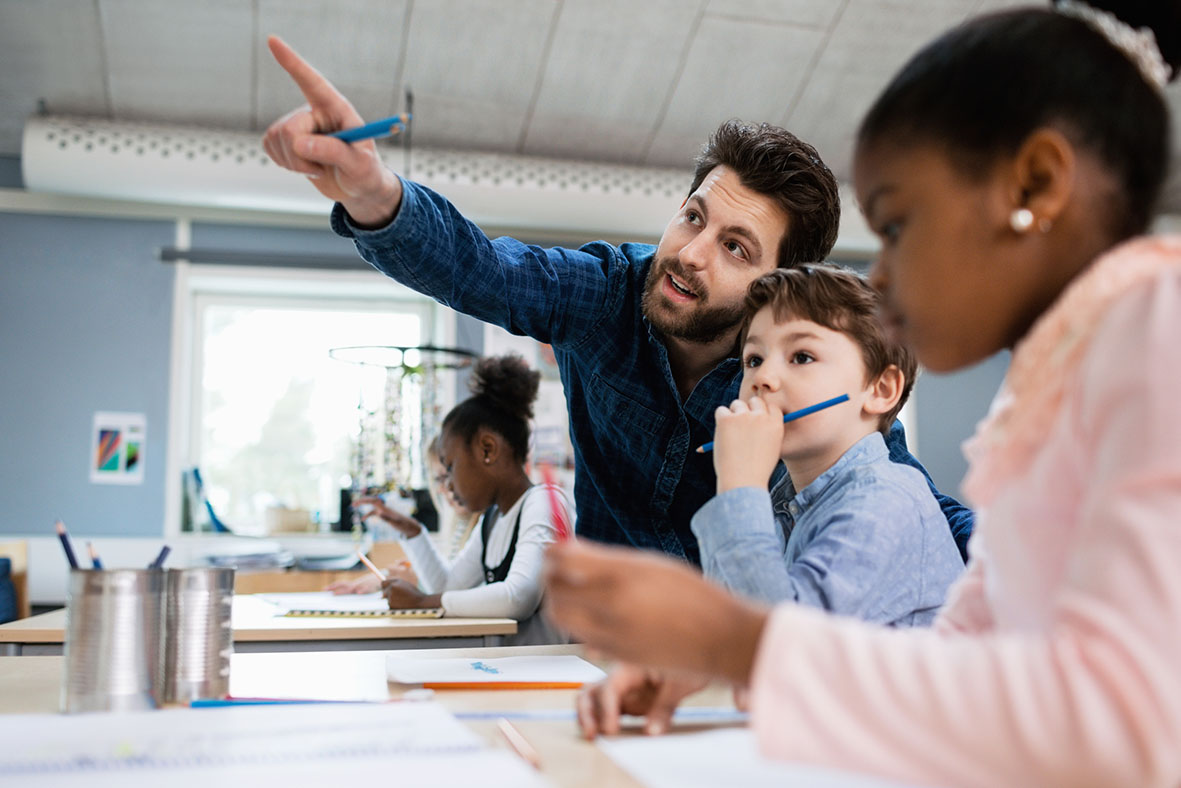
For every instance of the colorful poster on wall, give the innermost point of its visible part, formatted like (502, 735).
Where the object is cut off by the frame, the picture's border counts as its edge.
(117, 448)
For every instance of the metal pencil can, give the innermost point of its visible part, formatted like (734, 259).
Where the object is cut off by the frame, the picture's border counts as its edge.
(114, 657)
(199, 639)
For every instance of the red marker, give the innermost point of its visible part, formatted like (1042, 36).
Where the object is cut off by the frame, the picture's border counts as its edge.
(557, 510)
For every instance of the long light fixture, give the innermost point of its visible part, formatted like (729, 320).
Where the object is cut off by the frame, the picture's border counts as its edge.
(205, 167)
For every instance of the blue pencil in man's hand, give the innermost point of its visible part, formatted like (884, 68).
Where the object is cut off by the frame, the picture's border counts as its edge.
(795, 414)
(385, 127)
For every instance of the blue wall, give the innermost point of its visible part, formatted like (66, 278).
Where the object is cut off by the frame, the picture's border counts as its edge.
(85, 325)
(948, 409)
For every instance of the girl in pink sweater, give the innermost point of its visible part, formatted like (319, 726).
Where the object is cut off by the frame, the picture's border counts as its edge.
(1008, 170)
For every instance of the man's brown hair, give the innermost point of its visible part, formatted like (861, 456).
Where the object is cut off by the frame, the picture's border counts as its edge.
(776, 163)
(839, 299)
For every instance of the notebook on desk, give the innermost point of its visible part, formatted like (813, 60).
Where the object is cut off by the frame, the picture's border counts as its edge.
(320, 604)
(422, 612)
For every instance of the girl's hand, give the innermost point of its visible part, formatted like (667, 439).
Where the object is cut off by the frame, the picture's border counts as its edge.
(630, 689)
(747, 441)
(407, 526)
(400, 595)
(650, 610)
(399, 571)
(362, 585)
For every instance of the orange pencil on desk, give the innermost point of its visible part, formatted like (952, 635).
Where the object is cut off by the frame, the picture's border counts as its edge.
(557, 510)
(519, 743)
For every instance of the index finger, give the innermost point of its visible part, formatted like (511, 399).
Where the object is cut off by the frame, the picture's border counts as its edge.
(318, 91)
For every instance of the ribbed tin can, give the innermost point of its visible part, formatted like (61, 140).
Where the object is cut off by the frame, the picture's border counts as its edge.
(114, 656)
(199, 638)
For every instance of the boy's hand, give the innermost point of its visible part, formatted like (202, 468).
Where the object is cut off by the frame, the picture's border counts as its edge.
(747, 442)
(631, 689)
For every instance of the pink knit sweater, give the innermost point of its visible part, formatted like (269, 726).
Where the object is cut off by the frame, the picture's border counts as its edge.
(1057, 660)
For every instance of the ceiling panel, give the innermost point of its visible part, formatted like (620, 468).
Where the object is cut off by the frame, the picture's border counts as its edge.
(474, 66)
(857, 62)
(32, 38)
(609, 74)
(817, 14)
(639, 81)
(187, 62)
(749, 70)
(356, 44)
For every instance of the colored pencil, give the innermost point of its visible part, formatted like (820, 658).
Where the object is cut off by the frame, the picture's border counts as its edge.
(501, 685)
(94, 560)
(65, 537)
(557, 511)
(519, 743)
(379, 128)
(159, 562)
(371, 567)
(795, 414)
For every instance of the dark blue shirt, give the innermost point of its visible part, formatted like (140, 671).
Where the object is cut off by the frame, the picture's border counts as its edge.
(638, 480)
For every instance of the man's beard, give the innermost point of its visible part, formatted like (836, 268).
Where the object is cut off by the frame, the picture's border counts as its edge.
(702, 324)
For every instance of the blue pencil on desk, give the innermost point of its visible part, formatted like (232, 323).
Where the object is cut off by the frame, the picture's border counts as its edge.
(60, 527)
(795, 414)
(216, 703)
(385, 127)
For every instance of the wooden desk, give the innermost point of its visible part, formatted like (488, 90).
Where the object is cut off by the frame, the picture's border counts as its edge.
(33, 685)
(256, 628)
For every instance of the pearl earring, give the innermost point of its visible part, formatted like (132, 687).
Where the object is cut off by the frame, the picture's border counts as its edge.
(1021, 220)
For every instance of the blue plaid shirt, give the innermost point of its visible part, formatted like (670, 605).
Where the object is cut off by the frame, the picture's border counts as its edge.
(638, 480)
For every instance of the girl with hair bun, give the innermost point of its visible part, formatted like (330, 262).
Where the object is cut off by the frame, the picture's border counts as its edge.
(1011, 170)
(483, 446)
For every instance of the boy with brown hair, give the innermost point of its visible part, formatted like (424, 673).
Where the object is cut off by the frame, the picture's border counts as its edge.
(844, 529)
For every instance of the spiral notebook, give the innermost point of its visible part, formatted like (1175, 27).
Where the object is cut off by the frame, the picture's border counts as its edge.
(320, 604)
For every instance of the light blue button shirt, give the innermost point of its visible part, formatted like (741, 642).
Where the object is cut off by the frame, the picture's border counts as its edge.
(865, 539)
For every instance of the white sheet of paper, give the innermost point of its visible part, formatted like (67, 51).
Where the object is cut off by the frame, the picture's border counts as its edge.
(309, 675)
(727, 756)
(325, 601)
(557, 668)
(293, 746)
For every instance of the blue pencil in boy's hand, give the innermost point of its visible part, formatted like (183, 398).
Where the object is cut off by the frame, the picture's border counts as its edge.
(385, 127)
(795, 414)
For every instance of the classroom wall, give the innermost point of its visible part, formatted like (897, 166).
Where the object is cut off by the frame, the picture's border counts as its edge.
(85, 321)
(947, 409)
(85, 326)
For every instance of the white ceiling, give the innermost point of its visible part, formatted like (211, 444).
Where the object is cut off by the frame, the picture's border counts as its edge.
(625, 81)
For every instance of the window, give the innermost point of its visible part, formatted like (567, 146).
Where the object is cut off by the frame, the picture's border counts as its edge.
(273, 419)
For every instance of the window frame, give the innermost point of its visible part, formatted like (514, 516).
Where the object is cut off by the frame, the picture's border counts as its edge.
(200, 285)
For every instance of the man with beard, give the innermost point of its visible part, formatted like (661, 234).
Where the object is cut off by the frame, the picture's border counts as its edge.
(644, 337)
